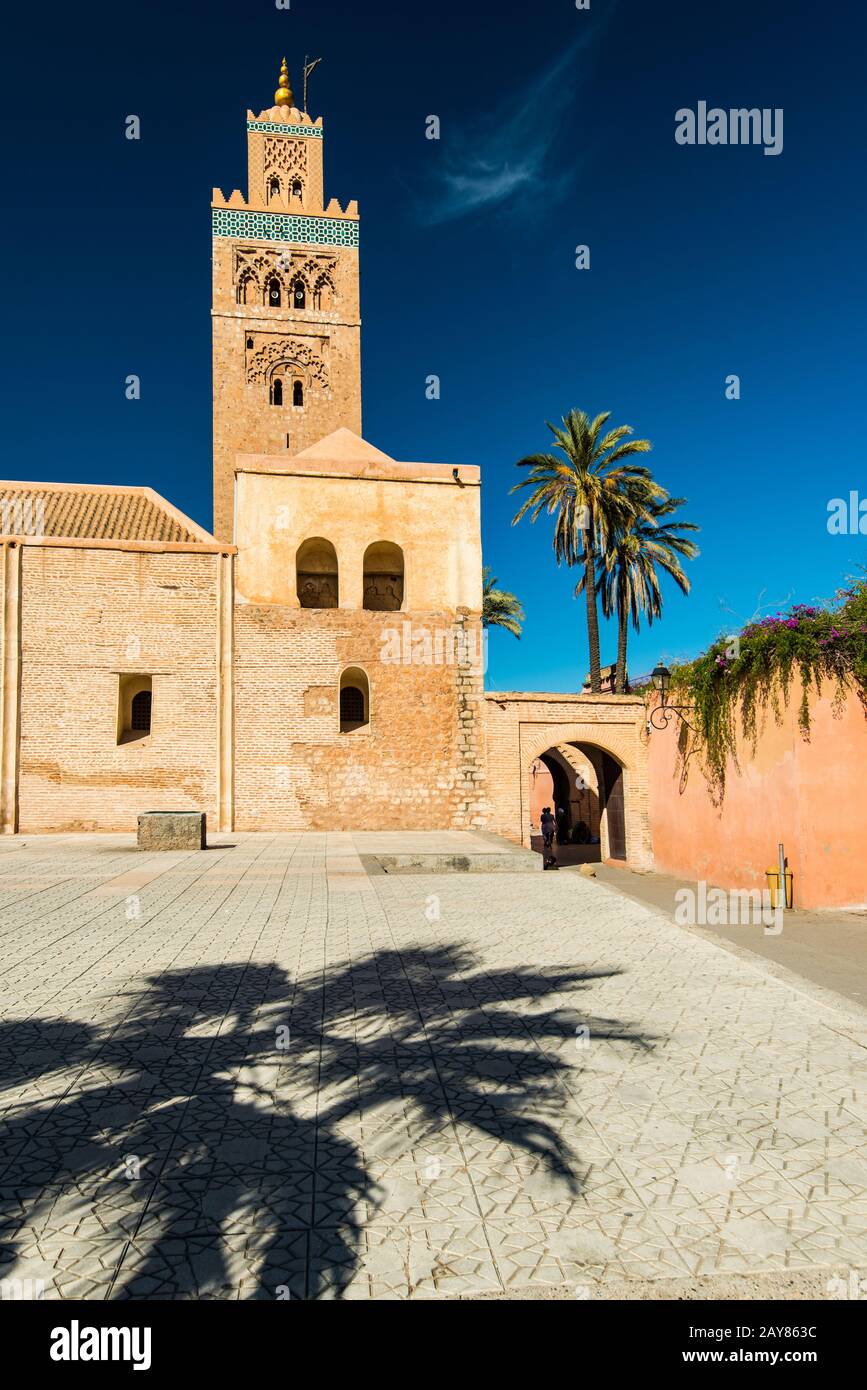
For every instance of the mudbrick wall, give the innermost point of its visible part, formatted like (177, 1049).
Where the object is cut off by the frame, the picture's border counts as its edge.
(86, 618)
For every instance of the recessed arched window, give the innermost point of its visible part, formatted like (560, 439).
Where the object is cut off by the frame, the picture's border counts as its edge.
(134, 707)
(276, 391)
(383, 577)
(297, 191)
(140, 712)
(274, 296)
(274, 188)
(297, 393)
(316, 574)
(299, 295)
(354, 699)
(249, 342)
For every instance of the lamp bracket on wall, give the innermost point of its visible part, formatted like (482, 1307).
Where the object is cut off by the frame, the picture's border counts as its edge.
(663, 713)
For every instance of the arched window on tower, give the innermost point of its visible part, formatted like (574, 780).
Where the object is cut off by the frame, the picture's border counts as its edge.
(274, 297)
(276, 391)
(297, 393)
(273, 189)
(299, 295)
(297, 192)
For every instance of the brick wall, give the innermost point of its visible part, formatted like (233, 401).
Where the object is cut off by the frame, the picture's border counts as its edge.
(417, 765)
(519, 727)
(86, 615)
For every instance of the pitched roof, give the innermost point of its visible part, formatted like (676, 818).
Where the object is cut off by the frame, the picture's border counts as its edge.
(343, 445)
(84, 511)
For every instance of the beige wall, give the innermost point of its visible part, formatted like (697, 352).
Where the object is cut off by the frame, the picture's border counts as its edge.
(10, 683)
(88, 615)
(519, 727)
(434, 520)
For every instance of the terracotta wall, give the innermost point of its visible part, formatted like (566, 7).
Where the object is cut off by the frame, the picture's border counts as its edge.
(809, 794)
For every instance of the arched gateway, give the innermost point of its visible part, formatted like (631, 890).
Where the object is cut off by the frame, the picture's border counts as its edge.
(583, 754)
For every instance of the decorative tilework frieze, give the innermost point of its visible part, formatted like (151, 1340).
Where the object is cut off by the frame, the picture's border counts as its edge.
(284, 226)
(273, 128)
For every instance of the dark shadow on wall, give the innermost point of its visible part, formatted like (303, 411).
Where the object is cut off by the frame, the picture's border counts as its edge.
(188, 1136)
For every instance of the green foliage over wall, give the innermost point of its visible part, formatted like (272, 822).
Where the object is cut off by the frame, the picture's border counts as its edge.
(735, 681)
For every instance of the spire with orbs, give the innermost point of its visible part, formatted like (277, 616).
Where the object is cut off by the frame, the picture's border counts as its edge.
(283, 95)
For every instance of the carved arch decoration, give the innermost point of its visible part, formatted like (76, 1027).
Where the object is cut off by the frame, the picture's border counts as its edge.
(324, 294)
(248, 289)
(285, 265)
(290, 354)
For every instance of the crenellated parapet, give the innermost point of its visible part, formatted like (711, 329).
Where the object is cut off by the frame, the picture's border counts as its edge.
(237, 200)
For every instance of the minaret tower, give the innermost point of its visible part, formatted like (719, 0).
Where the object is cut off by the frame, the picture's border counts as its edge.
(286, 326)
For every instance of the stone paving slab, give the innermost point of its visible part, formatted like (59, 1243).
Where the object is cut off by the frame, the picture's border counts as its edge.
(259, 1072)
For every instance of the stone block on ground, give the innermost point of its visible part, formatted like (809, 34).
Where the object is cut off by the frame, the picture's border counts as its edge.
(172, 830)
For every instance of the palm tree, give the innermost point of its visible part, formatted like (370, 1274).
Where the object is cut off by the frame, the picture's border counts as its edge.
(626, 575)
(590, 491)
(499, 607)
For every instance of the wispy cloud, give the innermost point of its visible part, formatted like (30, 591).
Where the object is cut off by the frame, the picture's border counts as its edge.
(509, 152)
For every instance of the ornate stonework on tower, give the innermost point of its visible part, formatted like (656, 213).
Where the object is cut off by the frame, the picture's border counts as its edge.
(286, 326)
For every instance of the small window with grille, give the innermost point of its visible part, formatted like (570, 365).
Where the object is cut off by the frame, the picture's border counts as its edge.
(354, 699)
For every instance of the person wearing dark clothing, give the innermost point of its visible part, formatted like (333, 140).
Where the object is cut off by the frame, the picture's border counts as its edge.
(548, 826)
(562, 831)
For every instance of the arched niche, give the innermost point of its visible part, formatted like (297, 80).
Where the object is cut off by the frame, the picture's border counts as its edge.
(383, 577)
(316, 574)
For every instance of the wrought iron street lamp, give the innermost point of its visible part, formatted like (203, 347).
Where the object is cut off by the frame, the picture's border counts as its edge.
(662, 714)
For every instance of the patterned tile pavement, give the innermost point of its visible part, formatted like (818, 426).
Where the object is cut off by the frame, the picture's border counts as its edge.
(259, 1072)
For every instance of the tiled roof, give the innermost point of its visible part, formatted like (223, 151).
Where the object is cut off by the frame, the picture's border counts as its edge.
(84, 512)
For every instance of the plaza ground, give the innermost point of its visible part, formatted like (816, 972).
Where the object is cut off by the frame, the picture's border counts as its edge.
(828, 949)
(273, 1070)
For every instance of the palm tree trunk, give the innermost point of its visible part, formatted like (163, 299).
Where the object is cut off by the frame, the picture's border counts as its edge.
(622, 632)
(592, 615)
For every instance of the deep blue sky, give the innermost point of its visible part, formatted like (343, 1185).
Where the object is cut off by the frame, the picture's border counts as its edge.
(705, 261)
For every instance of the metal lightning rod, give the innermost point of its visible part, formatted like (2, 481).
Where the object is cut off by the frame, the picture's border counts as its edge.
(308, 68)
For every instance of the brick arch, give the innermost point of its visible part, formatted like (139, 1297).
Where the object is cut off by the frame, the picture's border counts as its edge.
(616, 745)
(520, 727)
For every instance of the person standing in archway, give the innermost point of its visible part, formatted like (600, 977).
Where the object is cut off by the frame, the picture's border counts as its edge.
(548, 826)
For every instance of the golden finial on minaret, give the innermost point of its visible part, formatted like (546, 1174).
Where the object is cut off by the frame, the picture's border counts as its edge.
(283, 95)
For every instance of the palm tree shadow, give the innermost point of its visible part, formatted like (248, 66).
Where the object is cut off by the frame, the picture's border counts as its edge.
(236, 1132)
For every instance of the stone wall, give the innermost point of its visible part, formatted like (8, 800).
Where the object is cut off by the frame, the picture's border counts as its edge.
(417, 764)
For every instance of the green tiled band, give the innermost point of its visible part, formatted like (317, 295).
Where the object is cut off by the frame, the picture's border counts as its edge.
(284, 226)
(273, 128)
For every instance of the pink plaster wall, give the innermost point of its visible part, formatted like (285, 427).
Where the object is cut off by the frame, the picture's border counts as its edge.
(811, 795)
